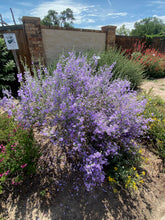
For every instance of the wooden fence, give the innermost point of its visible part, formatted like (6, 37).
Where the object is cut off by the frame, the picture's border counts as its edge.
(128, 42)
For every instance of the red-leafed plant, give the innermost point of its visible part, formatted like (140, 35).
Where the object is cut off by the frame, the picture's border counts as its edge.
(152, 60)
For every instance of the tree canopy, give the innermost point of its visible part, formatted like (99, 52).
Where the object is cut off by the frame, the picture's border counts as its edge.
(148, 26)
(64, 19)
(123, 31)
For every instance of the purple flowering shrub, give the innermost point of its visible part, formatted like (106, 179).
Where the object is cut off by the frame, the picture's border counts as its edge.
(94, 118)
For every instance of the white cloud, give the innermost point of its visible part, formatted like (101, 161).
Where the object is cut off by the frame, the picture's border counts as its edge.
(7, 16)
(117, 14)
(59, 5)
(81, 11)
(93, 27)
(158, 2)
(160, 17)
(24, 4)
(129, 25)
(89, 20)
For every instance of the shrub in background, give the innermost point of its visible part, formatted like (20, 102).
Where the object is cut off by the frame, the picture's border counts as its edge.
(152, 61)
(91, 117)
(124, 68)
(7, 69)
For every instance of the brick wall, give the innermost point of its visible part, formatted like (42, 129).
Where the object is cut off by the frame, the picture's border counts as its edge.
(110, 36)
(33, 34)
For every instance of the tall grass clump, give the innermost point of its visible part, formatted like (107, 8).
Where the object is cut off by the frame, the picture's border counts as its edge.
(124, 68)
(92, 118)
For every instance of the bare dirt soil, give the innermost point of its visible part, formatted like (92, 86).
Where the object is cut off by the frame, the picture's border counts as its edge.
(42, 198)
(157, 87)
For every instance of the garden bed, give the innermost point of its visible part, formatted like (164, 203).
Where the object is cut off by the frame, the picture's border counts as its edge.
(73, 179)
(157, 86)
(39, 199)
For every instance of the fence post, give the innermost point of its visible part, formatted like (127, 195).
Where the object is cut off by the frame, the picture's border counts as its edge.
(110, 35)
(32, 28)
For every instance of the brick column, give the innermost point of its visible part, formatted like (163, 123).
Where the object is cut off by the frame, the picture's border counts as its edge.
(110, 35)
(33, 34)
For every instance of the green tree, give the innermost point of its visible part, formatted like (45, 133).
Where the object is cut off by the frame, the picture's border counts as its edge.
(65, 19)
(7, 67)
(51, 19)
(123, 31)
(148, 26)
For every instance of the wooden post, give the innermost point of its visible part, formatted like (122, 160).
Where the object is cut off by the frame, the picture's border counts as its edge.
(1, 21)
(12, 16)
(16, 60)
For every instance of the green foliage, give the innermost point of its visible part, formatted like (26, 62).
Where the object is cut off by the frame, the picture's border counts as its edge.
(7, 65)
(125, 170)
(123, 31)
(155, 109)
(65, 18)
(148, 26)
(51, 19)
(18, 152)
(124, 68)
(152, 61)
(43, 193)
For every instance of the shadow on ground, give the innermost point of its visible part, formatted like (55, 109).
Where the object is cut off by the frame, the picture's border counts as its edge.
(44, 197)
(64, 202)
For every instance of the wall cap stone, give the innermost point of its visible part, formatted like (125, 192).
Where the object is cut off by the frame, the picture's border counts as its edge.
(71, 29)
(108, 28)
(30, 18)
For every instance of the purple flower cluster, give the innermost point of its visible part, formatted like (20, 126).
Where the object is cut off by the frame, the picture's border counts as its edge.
(93, 116)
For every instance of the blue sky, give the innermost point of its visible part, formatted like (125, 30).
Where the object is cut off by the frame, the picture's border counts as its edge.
(90, 14)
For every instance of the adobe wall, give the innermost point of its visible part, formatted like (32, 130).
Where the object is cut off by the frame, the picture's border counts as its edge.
(56, 41)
